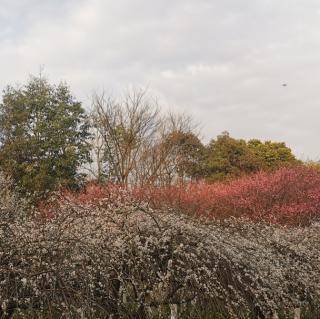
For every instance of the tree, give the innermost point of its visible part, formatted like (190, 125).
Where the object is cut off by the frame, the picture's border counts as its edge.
(228, 157)
(125, 130)
(43, 136)
(176, 154)
(272, 154)
(186, 154)
(135, 144)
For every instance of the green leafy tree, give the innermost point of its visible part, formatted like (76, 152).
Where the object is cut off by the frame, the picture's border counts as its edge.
(43, 136)
(272, 154)
(228, 157)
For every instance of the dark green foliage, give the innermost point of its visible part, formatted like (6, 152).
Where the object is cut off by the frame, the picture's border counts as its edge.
(43, 135)
(227, 157)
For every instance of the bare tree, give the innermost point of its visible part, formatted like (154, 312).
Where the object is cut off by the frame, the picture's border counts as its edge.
(125, 130)
(134, 143)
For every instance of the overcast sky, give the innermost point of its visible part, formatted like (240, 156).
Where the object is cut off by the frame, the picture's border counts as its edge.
(223, 62)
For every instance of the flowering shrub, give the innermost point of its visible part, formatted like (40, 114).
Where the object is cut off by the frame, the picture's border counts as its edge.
(286, 196)
(100, 195)
(124, 259)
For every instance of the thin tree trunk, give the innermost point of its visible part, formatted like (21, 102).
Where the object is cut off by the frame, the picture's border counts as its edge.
(173, 311)
(297, 313)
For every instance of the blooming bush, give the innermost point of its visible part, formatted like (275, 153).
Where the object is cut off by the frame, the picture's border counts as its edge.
(100, 195)
(286, 196)
(127, 260)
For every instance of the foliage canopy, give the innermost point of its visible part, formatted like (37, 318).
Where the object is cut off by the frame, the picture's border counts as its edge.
(43, 136)
(229, 157)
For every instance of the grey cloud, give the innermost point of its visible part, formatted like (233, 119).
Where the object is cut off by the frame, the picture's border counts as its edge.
(222, 61)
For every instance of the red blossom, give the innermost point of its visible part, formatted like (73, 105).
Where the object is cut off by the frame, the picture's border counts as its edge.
(286, 196)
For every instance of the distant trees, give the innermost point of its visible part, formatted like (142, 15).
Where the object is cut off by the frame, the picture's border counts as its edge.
(187, 154)
(136, 144)
(227, 157)
(43, 136)
(180, 149)
(46, 138)
(272, 154)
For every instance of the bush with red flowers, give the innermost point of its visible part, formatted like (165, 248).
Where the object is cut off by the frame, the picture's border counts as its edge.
(286, 196)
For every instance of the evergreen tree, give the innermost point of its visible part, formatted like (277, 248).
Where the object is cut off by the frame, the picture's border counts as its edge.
(43, 136)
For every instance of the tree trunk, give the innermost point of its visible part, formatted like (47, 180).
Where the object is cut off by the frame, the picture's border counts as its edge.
(173, 311)
(297, 313)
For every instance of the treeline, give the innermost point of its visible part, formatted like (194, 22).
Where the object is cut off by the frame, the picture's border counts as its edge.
(48, 142)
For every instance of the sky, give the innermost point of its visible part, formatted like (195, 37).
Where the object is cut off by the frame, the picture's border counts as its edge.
(222, 62)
